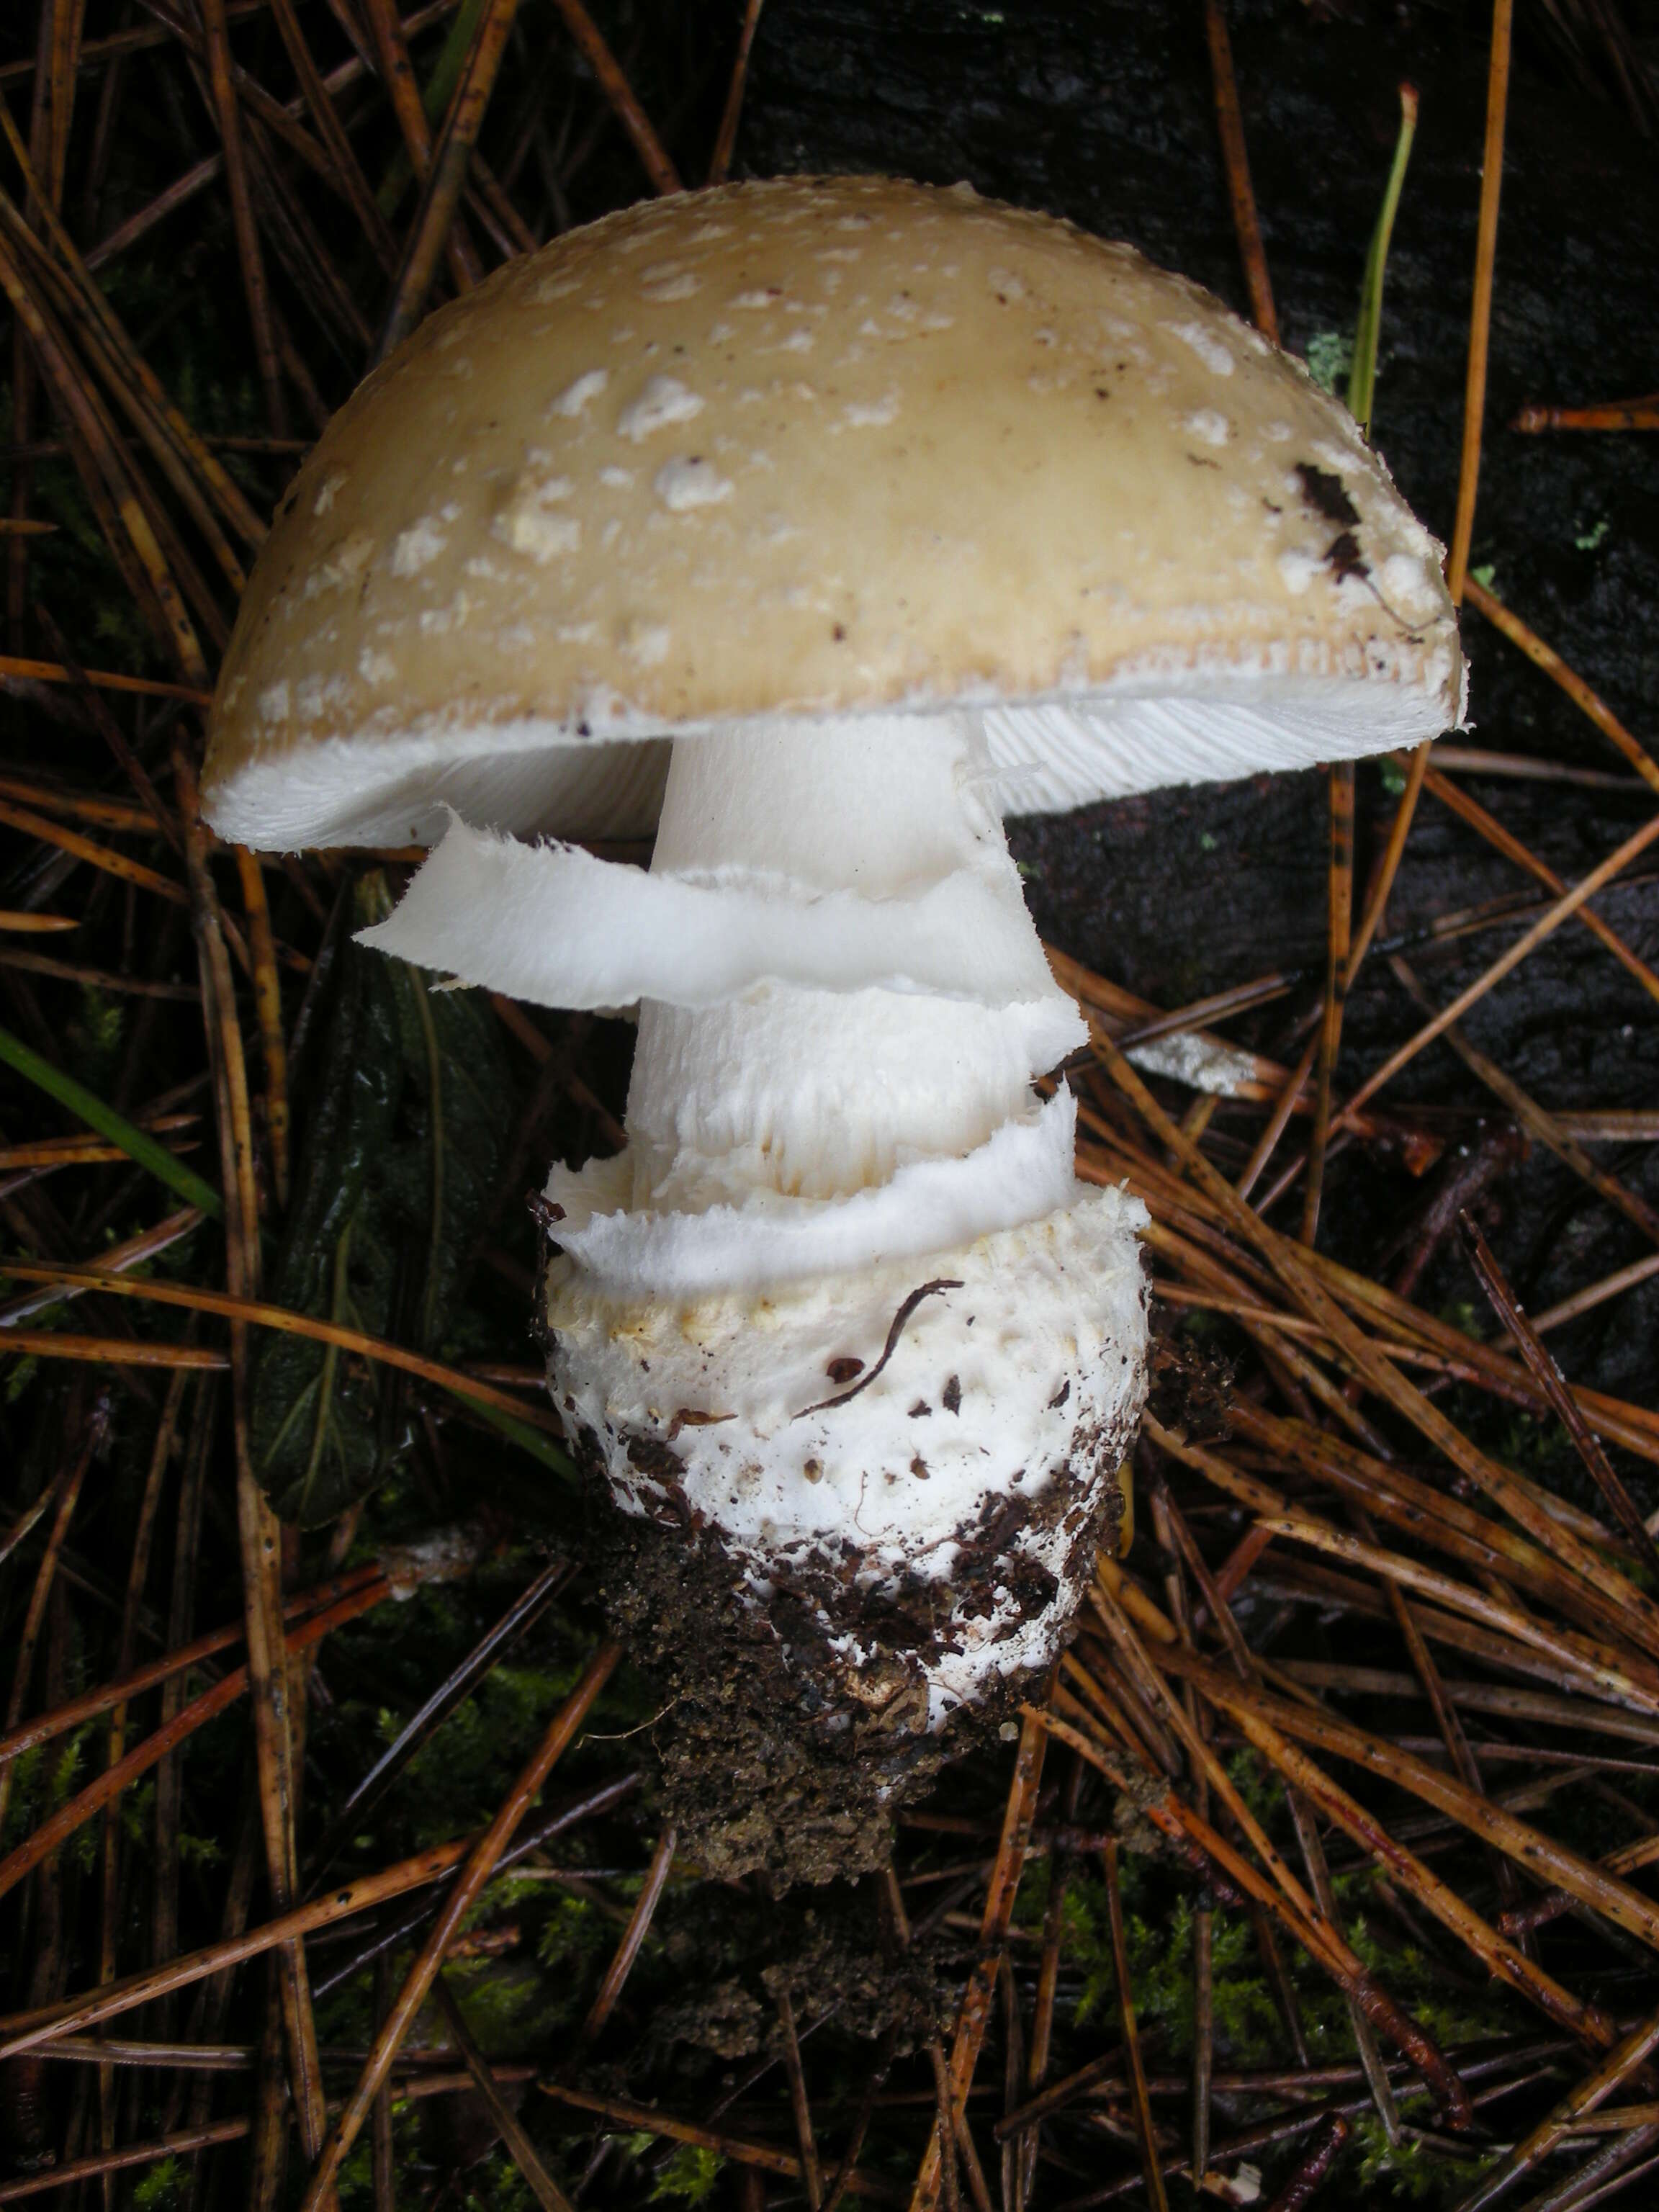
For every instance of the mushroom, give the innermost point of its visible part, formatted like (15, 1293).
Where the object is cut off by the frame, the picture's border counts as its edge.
(816, 523)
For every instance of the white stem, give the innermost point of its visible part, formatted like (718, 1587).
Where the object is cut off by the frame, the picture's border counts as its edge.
(816, 1093)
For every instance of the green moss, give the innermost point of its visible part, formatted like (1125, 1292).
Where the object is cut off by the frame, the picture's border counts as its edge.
(1407, 2172)
(507, 2005)
(1330, 356)
(94, 1039)
(574, 1942)
(163, 2188)
(688, 2177)
(495, 2184)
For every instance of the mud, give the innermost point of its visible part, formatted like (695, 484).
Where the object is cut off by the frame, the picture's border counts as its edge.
(779, 1755)
(825, 1957)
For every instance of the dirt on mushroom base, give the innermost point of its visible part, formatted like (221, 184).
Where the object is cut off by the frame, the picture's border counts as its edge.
(777, 1756)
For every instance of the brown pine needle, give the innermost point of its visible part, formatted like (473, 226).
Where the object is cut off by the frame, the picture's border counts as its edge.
(1470, 811)
(53, 672)
(97, 979)
(1145, 2129)
(111, 1351)
(104, 813)
(82, 1152)
(1235, 154)
(1607, 415)
(255, 1314)
(1617, 2067)
(639, 1924)
(59, 1826)
(653, 156)
(340, 1901)
(1533, 1117)
(1536, 1854)
(445, 181)
(1550, 920)
(183, 2142)
(523, 2152)
(1295, 1270)
(249, 248)
(1496, 1952)
(64, 1492)
(739, 2149)
(1187, 1831)
(1596, 1294)
(1551, 1380)
(458, 1900)
(1266, 1143)
(975, 2016)
(811, 2168)
(45, 1726)
(1339, 921)
(268, 1001)
(100, 856)
(1486, 256)
(731, 114)
(1486, 602)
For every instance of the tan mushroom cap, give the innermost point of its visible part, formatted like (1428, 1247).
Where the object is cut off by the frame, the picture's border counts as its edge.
(818, 446)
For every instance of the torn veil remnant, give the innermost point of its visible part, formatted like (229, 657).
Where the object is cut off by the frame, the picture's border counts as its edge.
(815, 523)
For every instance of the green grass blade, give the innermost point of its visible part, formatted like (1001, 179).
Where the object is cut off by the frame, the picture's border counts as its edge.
(528, 1439)
(435, 96)
(109, 1124)
(1362, 378)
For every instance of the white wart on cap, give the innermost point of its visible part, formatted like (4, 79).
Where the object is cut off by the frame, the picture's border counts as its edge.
(878, 509)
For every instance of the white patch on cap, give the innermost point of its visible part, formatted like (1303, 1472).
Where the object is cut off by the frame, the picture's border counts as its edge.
(1212, 428)
(868, 414)
(647, 644)
(375, 667)
(669, 282)
(1298, 568)
(1405, 586)
(575, 397)
(327, 491)
(525, 523)
(663, 400)
(319, 695)
(345, 564)
(274, 703)
(1204, 344)
(690, 481)
(416, 548)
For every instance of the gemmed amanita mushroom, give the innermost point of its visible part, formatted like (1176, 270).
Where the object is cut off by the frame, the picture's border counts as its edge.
(818, 522)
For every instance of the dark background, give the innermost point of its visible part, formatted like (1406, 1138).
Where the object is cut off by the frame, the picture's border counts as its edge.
(1105, 113)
